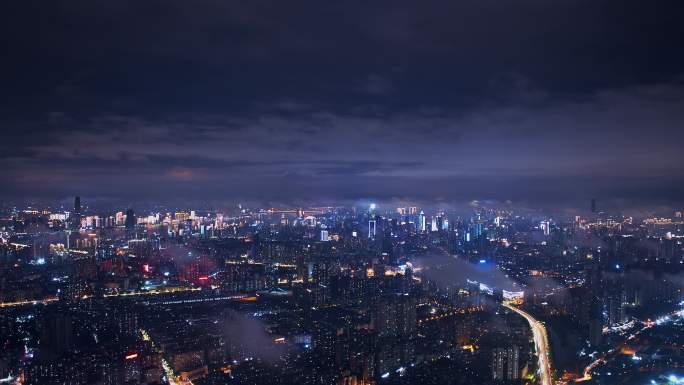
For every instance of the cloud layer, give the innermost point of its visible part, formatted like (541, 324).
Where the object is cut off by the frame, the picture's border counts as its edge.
(267, 101)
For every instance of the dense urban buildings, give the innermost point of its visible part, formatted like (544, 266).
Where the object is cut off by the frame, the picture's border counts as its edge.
(306, 295)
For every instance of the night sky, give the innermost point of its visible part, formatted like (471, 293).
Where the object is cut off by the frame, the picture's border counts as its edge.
(536, 101)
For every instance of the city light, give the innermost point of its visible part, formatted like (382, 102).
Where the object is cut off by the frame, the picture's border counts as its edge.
(271, 289)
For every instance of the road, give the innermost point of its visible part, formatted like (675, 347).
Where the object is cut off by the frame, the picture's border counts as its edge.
(541, 345)
(44, 301)
(648, 324)
(245, 297)
(171, 377)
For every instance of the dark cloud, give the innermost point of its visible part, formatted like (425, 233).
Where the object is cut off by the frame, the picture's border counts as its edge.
(377, 85)
(269, 100)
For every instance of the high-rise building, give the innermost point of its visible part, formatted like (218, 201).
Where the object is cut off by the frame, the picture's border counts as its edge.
(498, 364)
(372, 228)
(420, 225)
(595, 326)
(130, 219)
(506, 363)
(478, 228)
(396, 316)
(119, 218)
(324, 236)
(75, 218)
(513, 367)
(614, 308)
(77, 205)
(545, 227)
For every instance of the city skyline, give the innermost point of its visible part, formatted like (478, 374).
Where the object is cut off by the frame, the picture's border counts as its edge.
(410, 293)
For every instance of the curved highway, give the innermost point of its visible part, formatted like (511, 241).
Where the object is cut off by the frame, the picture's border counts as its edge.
(541, 345)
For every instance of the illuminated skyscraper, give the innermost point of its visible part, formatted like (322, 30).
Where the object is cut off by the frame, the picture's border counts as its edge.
(421, 226)
(545, 227)
(371, 228)
(478, 228)
(505, 363)
(119, 218)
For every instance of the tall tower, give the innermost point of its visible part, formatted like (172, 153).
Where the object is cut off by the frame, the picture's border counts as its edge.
(372, 228)
(75, 219)
(130, 219)
(421, 221)
(506, 363)
(545, 227)
(77, 205)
